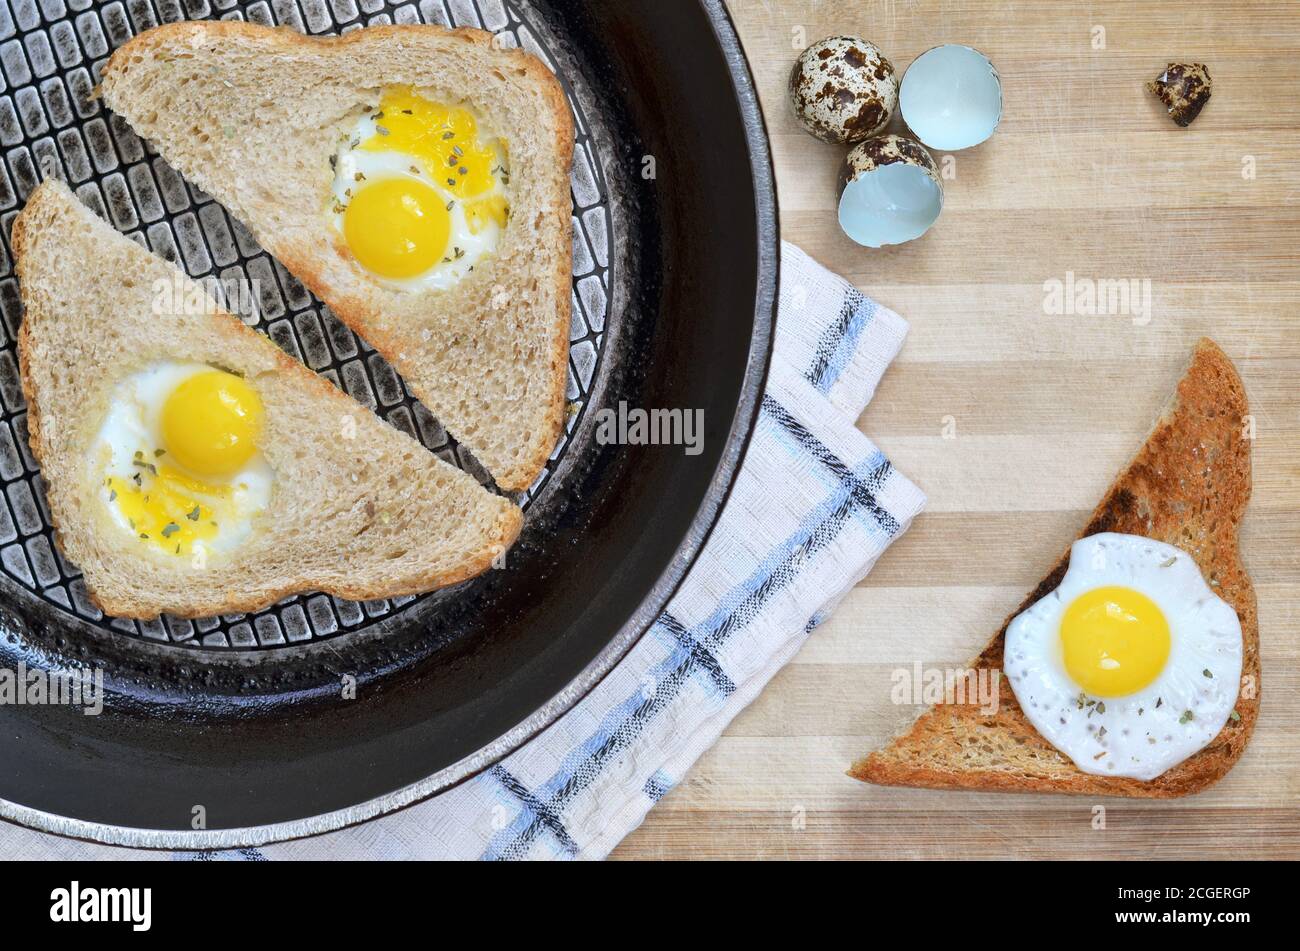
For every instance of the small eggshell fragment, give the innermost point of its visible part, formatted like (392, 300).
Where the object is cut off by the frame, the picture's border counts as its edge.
(951, 97)
(843, 89)
(889, 191)
(1184, 88)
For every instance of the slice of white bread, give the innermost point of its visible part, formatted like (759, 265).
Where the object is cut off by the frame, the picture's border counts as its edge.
(253, 115)
(357, 509)
(1188, 486)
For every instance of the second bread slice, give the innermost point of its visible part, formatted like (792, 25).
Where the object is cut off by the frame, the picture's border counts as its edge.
(356, 509)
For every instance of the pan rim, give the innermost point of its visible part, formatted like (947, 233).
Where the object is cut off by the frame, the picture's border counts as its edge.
(767, 253)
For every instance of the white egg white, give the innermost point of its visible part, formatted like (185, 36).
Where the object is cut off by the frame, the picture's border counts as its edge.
(1142, 734)
(134, 424)
(355, 169)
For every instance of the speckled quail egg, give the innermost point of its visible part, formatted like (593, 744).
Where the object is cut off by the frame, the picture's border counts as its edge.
(420, 191)
(177, 462)
(843, 89)
(889, 191)
(951, 97)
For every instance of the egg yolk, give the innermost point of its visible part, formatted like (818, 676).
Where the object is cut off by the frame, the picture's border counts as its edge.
(397, 227)
(211, 422)
(401, 227)
(1115, 641)
(170, 509)
(479, 213)
(444, 138)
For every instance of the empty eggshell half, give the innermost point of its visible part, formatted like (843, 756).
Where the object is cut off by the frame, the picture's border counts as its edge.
(951, 97)
(889, 191)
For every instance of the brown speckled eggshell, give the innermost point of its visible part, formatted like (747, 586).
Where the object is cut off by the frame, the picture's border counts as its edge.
(1184, 88)
(886, 150)
(843, 89)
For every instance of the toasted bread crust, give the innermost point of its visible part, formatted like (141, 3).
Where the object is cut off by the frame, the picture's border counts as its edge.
(43, 204)
(360, 314)
(1187, 486)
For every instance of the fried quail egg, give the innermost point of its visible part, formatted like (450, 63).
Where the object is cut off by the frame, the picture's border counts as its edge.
(419, 192)
(176, 463)
(1132, 664)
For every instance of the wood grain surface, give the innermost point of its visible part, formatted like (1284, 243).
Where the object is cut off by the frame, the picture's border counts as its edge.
(1085, 175)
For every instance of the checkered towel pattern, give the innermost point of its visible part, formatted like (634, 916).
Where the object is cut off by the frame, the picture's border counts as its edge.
(814, 506)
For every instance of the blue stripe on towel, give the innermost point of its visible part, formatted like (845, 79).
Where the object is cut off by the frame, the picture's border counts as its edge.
(540, 813)
(838, 342)
(864, 486)
(657, 786)
(698, 651)
(620, 727)
(540, 810)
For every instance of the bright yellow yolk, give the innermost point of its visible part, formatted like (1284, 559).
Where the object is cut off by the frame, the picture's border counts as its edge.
(445, 138)
(171, 510)
(397, 227)
(479, 213)
(210, 423)
(1115, 641)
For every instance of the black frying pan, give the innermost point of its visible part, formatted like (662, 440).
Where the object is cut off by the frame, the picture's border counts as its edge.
(675, 272)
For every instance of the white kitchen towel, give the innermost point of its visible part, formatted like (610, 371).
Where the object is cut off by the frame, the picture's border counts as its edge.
(814, 505)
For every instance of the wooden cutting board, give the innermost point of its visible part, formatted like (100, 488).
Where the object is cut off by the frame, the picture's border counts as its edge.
(1087, 176)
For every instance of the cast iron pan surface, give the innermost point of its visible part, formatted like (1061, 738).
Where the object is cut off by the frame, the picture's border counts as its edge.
(236, 730)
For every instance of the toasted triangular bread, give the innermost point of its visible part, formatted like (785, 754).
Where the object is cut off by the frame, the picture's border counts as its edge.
(254, 116)
(1188, 486)
(357, 508)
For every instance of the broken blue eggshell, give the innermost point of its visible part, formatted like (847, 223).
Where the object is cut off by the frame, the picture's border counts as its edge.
(889, 191)
(951, 98)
